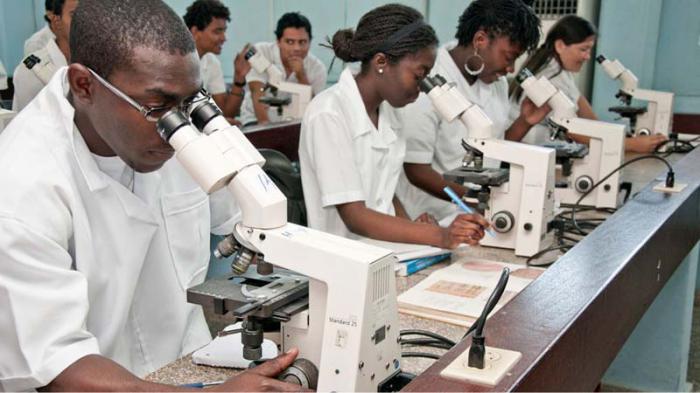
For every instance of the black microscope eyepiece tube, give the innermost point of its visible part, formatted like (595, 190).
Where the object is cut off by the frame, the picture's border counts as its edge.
(600, 59)
(250, 53)
(523, 75)
(170, 122)
(426, 84)
(203, 113)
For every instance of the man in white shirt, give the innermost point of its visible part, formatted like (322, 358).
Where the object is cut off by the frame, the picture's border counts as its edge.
(35, 71)
(290, 53)
(100, 234)
(207, 21)
(42, 37)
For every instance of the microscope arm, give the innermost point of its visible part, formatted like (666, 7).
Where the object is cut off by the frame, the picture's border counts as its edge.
(617, 71)
(541, 91)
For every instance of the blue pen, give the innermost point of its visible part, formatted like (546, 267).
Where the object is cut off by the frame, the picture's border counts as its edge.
(456, 199)
(201, 385)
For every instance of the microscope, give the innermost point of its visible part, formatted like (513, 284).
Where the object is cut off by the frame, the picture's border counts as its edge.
(335, 298)
(656, 118)
(290, 99)
(519, 201)
(605, 149)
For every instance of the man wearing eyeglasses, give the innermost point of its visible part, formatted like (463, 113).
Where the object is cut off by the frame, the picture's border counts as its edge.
(100, 232)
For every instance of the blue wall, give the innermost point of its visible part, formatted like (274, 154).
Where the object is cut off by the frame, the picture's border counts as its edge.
(252, 21)
(659, 40)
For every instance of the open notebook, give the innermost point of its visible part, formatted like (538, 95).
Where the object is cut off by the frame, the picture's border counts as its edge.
(457, 293)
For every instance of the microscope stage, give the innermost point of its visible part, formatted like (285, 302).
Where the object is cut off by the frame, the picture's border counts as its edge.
(492, 177)
(567, 149)
(277, 296)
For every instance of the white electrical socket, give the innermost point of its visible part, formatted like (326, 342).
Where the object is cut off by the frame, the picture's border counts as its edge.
(661, 187)
(497, 364)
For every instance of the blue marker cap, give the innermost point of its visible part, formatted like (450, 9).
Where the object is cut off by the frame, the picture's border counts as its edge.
(456, 199)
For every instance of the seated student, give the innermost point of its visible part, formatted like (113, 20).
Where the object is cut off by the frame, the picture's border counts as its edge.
(100, 232)
(207, 21)
(566, 49)
(351, 146)
(491, 34)
(35, 71)
(290, 53)
(39, 39)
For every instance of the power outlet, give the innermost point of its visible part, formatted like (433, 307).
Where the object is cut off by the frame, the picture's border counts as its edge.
(497, 363)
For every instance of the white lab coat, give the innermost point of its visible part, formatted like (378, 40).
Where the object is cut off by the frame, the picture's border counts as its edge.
(315, 73)
(212, 74)
(28, 82)
(431, 140)
(90, 266)
(561, 79)
(344, 158)
(38, 40)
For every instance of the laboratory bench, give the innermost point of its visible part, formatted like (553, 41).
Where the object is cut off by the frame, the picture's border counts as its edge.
(612, 308)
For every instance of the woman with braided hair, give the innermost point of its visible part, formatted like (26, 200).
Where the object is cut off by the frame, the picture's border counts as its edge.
(351, 148)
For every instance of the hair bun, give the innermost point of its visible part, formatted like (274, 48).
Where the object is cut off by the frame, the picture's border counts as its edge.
(342, 45)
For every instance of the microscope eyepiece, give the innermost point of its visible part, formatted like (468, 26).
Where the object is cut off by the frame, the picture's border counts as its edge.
(441, 80)
(170, 122)
(600, 59)
(250, 53)
(426, 84)
(523, 75)
(203, 113)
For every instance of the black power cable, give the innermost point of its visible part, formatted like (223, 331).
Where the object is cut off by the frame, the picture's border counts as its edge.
(426, 333)
(670, 180)
(420, 355)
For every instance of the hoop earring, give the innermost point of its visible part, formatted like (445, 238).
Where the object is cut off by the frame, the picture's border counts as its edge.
(477, 71)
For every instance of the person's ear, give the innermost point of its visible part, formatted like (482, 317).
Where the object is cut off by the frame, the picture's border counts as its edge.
(559, 46)
(480, 40)
(82, 83)
(380, 61)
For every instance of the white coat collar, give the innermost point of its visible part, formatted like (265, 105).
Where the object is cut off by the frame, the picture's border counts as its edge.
(96, 180)
(57, 105)
(388, 120)
(55, 54)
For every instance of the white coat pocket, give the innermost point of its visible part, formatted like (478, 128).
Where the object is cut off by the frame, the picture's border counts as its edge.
(187, 224)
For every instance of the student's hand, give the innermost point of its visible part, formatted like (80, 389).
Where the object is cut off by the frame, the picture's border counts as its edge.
(531, 113)
(427, 219)
(644, 143)
(297, 66)
(233, 121)
(241, 67)
(262, 377)
(466, 228)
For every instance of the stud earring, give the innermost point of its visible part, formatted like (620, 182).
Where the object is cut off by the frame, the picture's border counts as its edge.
(381, 70)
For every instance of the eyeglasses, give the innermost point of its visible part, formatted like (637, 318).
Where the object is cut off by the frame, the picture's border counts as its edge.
(153, 114)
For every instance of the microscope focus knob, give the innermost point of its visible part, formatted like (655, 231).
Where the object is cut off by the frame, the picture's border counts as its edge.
(583, 184)
(643, 132)
(301, 372)
(502, 221)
